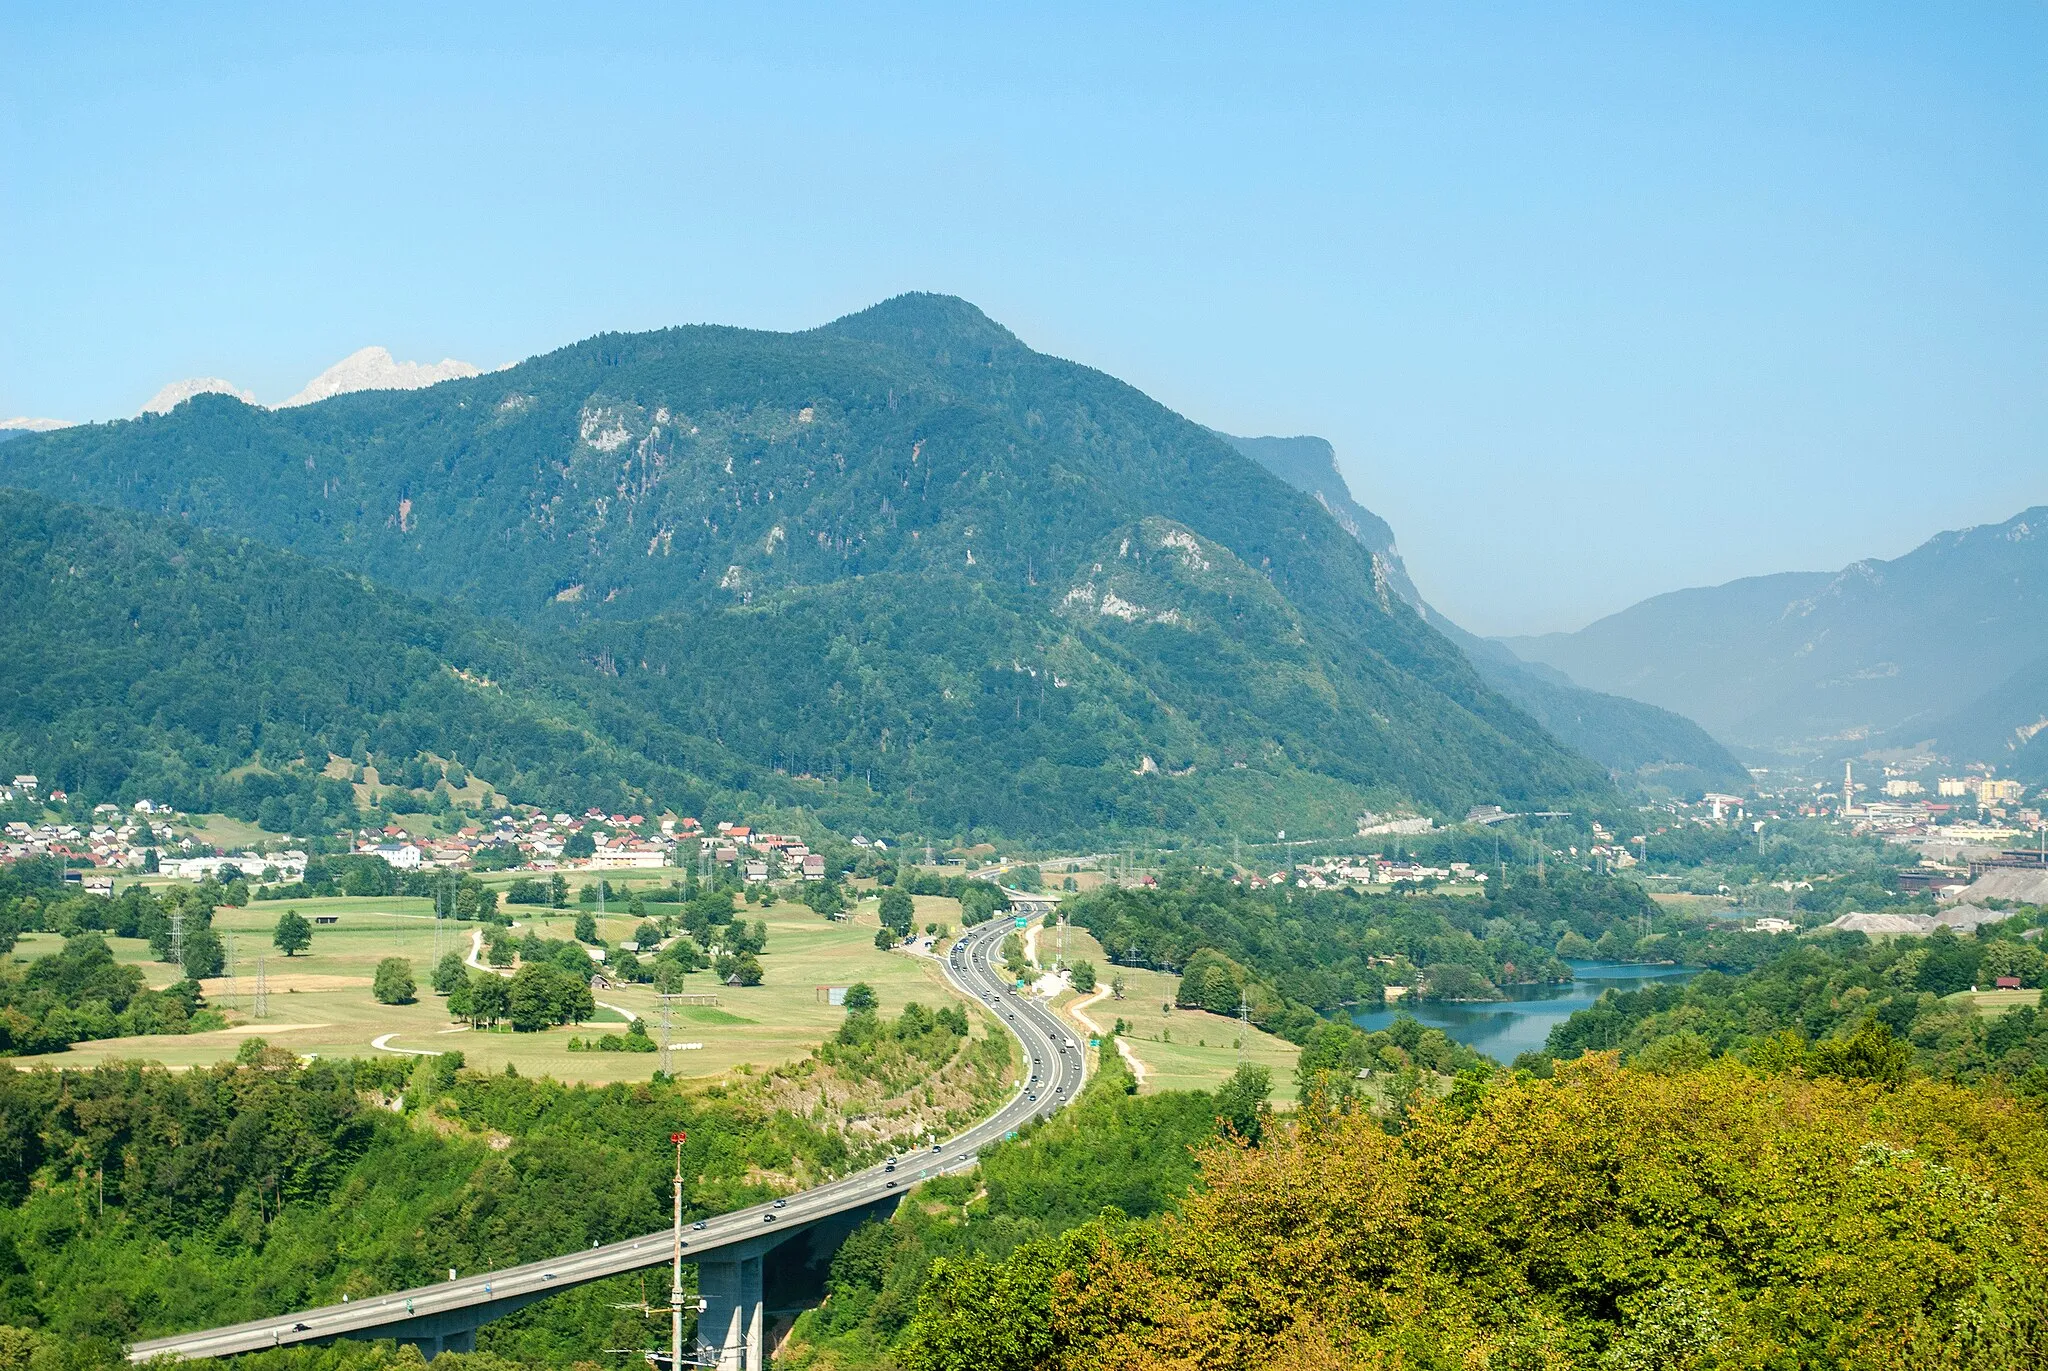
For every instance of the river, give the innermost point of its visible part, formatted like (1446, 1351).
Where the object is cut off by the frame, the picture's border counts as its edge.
(1503, 1029)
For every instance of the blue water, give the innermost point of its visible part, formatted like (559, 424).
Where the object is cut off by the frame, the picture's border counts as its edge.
(1503, 1029)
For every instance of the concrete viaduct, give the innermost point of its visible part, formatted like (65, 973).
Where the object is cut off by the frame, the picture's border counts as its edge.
(728, 1249)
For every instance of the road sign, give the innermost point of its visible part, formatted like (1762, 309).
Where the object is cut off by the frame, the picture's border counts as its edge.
(1095, 1042)
(1023, 922)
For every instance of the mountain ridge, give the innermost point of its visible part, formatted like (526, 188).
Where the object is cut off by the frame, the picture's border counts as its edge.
(1824, 661)
(1634, 740)
(646, 493)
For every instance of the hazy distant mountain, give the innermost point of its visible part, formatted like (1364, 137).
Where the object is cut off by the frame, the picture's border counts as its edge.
(1630, 739)
(373, 368)
(178, 392)
(902, 550)
(22, 423)
(2006, 726)
(1807, 659)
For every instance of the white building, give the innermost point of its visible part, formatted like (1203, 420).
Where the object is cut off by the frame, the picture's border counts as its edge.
(627, 859)
(402, 856)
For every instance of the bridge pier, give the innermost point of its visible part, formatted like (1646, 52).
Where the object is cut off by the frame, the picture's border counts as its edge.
(444, 1334)
(730, 1327)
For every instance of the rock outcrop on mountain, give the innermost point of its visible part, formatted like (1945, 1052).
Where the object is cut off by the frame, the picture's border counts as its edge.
(1634, 741)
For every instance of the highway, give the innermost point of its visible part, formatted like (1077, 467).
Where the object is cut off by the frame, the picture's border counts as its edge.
(1054, 1066)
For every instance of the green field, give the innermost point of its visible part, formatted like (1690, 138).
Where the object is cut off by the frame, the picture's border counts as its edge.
(1997, 1001)
(1181, 1049)
(320, 1001)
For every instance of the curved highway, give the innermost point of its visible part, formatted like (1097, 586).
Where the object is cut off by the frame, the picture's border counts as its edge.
(1052, 1074)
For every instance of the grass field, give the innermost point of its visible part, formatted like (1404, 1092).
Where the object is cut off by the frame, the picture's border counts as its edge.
(1181, 1049)
(232, 834)
(320, 1001)
(1996, 1002)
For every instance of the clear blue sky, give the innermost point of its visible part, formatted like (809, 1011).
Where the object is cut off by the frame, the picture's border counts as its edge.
(1595, 301)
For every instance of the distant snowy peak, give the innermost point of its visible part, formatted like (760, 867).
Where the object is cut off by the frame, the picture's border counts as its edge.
(178, 392)
(373, 368)
(22, 422)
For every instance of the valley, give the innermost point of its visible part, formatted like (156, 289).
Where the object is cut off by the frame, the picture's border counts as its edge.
(965, 688)
(961, 751)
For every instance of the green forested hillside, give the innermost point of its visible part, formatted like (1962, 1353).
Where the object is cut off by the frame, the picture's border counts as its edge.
(139, 657)
(881, 553)
(1813, 996)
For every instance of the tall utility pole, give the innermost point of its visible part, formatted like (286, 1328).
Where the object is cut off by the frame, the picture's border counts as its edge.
(178, 934)
(234, 981)
(261, 1006)
(675, 1281)
(1244, 1027)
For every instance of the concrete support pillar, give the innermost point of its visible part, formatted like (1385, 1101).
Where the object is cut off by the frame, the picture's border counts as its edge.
(730, 1327)
(432, 1345)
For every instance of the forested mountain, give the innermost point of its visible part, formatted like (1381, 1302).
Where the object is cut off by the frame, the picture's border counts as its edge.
(140, 657)
(1629, 738)
(1877, 648)
(901, 551)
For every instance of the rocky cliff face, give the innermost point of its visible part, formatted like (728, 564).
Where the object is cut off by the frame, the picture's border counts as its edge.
(1634, 741)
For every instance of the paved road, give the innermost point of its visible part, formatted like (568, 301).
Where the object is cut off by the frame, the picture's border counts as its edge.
(1054, 1071)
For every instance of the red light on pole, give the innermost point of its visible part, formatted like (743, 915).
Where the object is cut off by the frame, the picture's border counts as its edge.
(678, 1137)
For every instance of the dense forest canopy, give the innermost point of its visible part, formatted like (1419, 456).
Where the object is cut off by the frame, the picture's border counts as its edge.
(1817, 991)
(144, 659)
(1605, 1218)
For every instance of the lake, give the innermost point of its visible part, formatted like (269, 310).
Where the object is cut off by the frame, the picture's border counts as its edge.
(1503, 1029)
